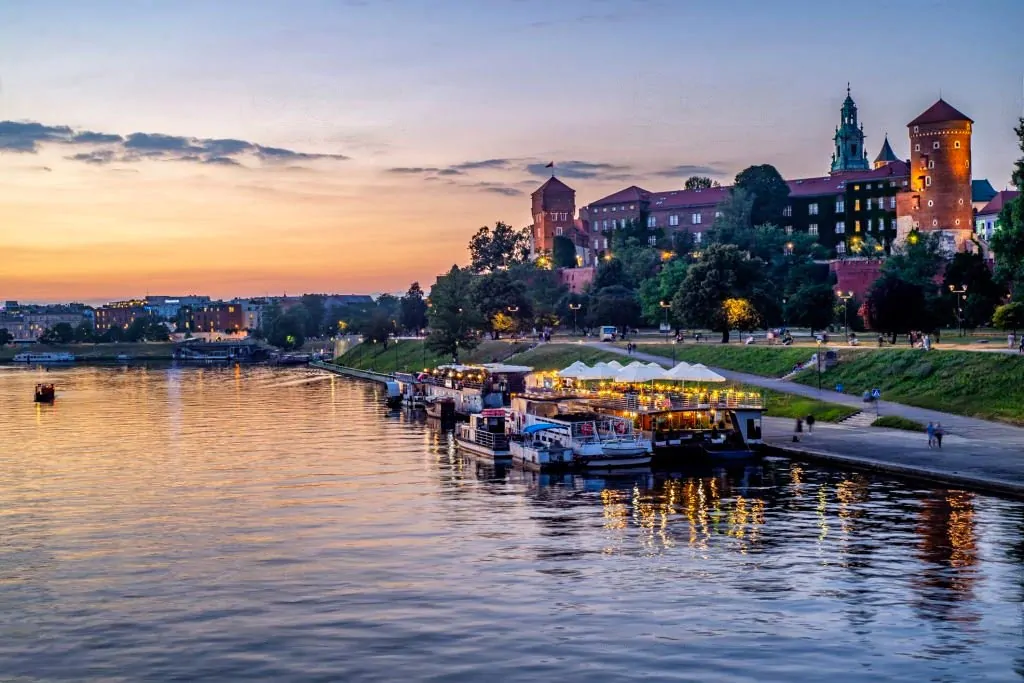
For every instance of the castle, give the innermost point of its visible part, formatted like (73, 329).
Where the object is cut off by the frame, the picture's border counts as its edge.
(860, 208)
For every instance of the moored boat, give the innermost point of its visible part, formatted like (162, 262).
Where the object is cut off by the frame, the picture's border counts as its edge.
(541, 447)
(484, 436)
(392, 395)
(33, 358)
(45, 393)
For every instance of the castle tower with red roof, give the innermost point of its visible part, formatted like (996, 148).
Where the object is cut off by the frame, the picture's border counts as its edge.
(939, 199)
(554, 214)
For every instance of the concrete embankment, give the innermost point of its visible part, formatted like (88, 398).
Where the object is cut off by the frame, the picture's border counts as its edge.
(353, 372)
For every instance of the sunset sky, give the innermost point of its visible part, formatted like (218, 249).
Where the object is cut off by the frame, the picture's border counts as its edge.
(243, 148)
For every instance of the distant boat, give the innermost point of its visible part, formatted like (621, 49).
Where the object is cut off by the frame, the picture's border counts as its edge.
(45, 393)
(123, 358)
(32, 358)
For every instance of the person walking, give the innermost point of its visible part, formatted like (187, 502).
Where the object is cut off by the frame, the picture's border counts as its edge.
(931, 434)
(938, 434)
(1021, 348)
(798, 429)
(810, 424)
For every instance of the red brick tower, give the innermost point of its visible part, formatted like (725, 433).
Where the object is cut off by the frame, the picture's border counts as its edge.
(940, 176)
(554, 214)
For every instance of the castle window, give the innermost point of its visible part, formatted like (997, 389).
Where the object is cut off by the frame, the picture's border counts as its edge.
(931, 163)
(870, 202)
(869, 225)
(558, 231)
(595, 226)
(605, 242)
(614, 209)
(604, 210)
(917, 224)
(604, 225)
(695, 218)
(917, 148)
(840, 227)
(673, 220)
(652, 240)
(967, 163)
(956, 145)
(812, 209)
(697, 237)
(931, 203)
(652, 221)
(868, 186)
(856, 188)
(632, 206)
(718, 214)
(928, 181)
(597, 244)
(789, 229)
(788, 211)
(812, 229)
(957, 221)
(892, 224)
(840, 205)
(935, 222)
(892, 202)
(935, 145)
(961, 201)
(856, 205)
(915, 129)
(841, 248)
(856, 226)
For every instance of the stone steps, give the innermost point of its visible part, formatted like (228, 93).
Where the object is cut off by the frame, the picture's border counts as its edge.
(859, 419)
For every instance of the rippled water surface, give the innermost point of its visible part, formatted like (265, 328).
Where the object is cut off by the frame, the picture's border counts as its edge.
(261, 524)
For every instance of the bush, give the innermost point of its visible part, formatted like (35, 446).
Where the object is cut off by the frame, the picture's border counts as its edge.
(897, 422)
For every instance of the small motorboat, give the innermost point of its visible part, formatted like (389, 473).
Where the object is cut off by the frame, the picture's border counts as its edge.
(45, 393)
(393, 395)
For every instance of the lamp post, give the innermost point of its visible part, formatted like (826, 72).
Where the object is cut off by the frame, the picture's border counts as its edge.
(961, 301)
(818, 356)
(846, 296)
(665, 306)
(515, 322)
(575, 309)
(785, 317)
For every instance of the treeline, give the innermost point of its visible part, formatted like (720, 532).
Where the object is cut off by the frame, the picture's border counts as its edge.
(148, 328)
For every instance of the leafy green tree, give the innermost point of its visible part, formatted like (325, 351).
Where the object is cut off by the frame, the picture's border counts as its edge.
(740, 314)
(316, 311)
(699, 182)
(1008, 240)
(497, 292)
(614, 305)
(453, 318)
(114, 333)
(1009, 316)
(811, 306)
(769, 191)
(146, 328)
(920, 260)
(968, 270)
(378, 328)
(544, 291)
(640, 260)
(897, 306)
(734, 215)
(5, 336)
(288, 330)
(723, 272)
(610, 273)
(61, 333)
(84, 333)
(564, 252)
(497, 249)
(662, 288)
(413, 309)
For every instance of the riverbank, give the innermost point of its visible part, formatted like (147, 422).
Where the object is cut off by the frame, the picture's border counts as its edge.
(98, 353)
(410, 355)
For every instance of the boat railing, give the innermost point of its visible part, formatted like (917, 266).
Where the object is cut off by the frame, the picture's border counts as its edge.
(493, 440)
(679, 402)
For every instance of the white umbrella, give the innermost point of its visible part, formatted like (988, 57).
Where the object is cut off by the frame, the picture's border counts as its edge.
(614, 364)
(682, 372)
(633, 374)
(600, 371)
(705, 375)
(659, 366)
(636, 364)
(574, 371)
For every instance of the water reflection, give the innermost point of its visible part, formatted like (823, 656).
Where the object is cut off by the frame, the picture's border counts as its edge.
(282, 525)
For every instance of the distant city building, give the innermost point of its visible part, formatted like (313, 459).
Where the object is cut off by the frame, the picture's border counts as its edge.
(219, 316)
(169, 307)
(982, 193)
(119, 314)
(986, 221)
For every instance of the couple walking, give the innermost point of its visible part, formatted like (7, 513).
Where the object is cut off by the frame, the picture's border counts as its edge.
(935, 434)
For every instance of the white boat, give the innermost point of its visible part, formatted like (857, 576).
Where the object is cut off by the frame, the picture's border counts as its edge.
(597, 441)
(541, 447)
(32, 358)
(484, 436)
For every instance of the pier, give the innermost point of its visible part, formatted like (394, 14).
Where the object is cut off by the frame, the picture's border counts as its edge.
(380, 377)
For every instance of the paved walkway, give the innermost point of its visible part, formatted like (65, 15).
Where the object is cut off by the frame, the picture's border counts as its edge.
(975, 452)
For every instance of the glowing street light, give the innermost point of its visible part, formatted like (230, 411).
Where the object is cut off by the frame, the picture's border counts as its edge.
(575, 309)
(846, 296)
(961, 302)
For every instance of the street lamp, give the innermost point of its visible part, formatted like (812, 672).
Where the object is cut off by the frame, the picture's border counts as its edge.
(575, 309)
(961, 302)
(846, 296)
(785, 318)
(515, 322)
(818, 356)
(665, 306)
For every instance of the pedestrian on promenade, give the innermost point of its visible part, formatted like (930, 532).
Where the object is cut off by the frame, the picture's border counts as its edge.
(798, 429)
(938, 434)
(810, 424)
(931, 434)
(1021, 349)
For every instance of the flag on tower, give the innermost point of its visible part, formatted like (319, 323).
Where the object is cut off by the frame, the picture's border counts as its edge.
(551, 164)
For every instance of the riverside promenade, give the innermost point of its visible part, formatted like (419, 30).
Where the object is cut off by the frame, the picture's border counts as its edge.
(975, 453)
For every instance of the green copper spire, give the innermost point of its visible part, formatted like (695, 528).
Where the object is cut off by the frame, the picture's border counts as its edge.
(849, 152)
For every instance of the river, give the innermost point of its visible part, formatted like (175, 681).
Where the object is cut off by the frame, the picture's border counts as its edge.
(250, 523)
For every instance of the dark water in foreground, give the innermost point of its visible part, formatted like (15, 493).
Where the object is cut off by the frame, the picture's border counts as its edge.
(277, 525)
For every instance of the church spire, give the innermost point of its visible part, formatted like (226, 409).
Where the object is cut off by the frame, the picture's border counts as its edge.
(849, 139)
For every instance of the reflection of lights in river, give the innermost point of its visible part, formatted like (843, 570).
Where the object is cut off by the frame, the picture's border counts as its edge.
(822, 506)
(614, 509)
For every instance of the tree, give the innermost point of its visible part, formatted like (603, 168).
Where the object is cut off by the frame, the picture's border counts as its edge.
(316, 311)
(287, 330)
(114, 333)
(1008, 240)
(723, 272)
(769, 190)
(544, 291)
(740, 314)
(662, 288)
(84, 333)
(564, 252)
(968, 270)
(497, 292)
(699, 182)
(811, 306)
(1007, 317)
(733, 217)
(497, 249)
(610, 273)
(5, 337)
(378, 328)
(614, 305)
(413, 309)
(61, 333)
(452, 316)
(896, 306)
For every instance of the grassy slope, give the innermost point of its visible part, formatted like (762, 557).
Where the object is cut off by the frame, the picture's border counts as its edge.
(897, 422)
(558, 356)
(984, 385)
(408, 355)
(778, 404)
(154, 350)
(770, 361)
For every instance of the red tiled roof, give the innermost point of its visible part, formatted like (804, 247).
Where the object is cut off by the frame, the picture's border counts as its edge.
(997, 203)
(836, 182)
(630, 194)
(940, 112)
(553, 184)
(677, 199)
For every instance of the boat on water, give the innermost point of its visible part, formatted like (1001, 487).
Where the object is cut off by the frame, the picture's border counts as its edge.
(34, 358)
(45, 393)
(441, 409)
(123, 358)
(473, 388)
(484, 436)
(392, 395)
(539, 448)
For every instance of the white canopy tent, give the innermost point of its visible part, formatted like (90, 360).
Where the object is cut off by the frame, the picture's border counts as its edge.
(614, 364)
(637, 374)
(600, 371)
(705, 374)
(574, 371)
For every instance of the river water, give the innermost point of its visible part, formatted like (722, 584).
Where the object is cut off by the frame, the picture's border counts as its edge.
(258, 524)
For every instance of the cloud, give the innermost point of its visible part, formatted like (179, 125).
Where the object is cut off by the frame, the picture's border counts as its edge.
(450, 171)
(486, 163)
(507, 191)
(576, 169)
(687, 170)
(413, 170)
(107, 148)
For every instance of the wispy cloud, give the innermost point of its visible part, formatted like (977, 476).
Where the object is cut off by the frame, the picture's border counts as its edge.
(29, 137)
(578, 169)
(687, 170)
(486, 163)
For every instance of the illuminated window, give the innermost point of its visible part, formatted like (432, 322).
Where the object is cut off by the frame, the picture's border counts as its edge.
(892, 224)
(869, 225)
(931, 163)
(870, 201)
(718, 214)
(558, 230)
(812, 209)
(841, 248)
(812, 229)
(673, 220)
(856, 205)
(695, 218)
(928, 181)
(840, 205)
(652, 240)
(788, 211)
(856, 226)
(789, 229)
(652, 221)
(614, 209)
(935, 145)
(697, 237)
(956, 145)
(892, 202)
(840, 227)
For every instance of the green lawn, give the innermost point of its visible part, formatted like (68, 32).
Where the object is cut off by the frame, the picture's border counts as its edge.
(558, 356)
(97, 352)
(408, 355)
(897, 422)
(769, 361)
(984, 385)
(778, 404)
